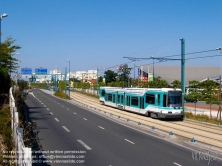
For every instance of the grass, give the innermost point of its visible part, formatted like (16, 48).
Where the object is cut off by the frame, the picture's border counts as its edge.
(202, 117)
(87, 94)
(60, 94)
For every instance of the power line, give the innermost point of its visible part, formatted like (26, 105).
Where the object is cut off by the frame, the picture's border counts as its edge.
(198, 52)
(152, 47)
(204, 57)
(185, 59)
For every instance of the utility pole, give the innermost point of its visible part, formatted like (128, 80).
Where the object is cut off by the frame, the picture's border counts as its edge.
(183, 70)
(97, 82)
(219, 109)
(65, 80)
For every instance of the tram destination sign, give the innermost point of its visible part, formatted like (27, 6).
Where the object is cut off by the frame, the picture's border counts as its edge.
(41, 71)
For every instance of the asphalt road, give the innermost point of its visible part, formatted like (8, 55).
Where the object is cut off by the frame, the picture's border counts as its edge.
(97, 141)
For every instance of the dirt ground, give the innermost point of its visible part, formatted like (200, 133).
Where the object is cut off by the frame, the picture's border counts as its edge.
(202, 106)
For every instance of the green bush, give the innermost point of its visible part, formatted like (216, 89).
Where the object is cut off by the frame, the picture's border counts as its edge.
(60, 94)
(5, 131)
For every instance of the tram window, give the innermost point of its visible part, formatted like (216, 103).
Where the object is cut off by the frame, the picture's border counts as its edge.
(164, 100)
(103, 93)
(134, 101)
(118, 98)
(122, 99)
(150, 98)
(109, 97)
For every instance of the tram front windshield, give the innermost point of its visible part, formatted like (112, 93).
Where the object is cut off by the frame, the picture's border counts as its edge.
(174, 98)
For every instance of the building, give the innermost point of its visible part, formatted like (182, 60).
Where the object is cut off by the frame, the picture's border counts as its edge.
(56, 71)
(171, 73)
(84, 75)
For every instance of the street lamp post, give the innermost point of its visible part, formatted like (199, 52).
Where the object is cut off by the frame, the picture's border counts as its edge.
(69, 77)
(134, 70)
(153, 66)
(97, 82)
(56, 77)
(1, 17)
(219, 110)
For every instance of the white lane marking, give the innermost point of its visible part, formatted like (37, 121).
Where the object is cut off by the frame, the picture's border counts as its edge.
(67, 109)
(74, 112)
(58, 103)
(51, 113)
(83, 144)
(47, 108)
(44, 106)
(101, 127)
(62, 106)
(129, 141)
(66, 128)
(41, 103)
(84, 118)
(57, 119)
(177, 164)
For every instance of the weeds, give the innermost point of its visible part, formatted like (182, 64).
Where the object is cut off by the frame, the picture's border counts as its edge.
(202, 117)
(87, 94)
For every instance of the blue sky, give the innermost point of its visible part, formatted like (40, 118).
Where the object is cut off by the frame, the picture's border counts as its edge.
(99, 33)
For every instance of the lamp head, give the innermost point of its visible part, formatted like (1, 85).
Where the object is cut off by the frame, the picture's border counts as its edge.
(4, 15)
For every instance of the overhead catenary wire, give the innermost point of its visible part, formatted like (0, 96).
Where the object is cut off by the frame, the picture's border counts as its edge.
(185, 59)
(153, 47)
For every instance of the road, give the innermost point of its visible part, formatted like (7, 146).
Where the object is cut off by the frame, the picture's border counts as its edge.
(97, 141)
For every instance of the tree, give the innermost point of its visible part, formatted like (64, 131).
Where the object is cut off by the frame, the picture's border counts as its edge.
(110, 76)
(6, 59)
(7, 65)
(74, 80)
(100, 79)
(158, 83)
(194, 90)
(123, 74)
(210, 92)
(176, 84)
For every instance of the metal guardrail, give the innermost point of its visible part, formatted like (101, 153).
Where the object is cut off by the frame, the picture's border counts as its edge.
(23, 155)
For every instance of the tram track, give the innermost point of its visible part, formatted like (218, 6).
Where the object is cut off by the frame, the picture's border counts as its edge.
(202, 132)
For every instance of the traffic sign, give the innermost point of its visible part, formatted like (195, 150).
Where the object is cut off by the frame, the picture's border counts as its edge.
(41, 71)
(26, 71)
(33, 79)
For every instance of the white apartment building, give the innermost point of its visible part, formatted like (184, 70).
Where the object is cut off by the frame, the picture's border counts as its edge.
(85, 75)
(56, 71)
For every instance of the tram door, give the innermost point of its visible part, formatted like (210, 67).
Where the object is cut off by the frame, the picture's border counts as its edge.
(141, 103)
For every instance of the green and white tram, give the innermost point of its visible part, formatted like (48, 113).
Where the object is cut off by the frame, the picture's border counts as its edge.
(153, 102)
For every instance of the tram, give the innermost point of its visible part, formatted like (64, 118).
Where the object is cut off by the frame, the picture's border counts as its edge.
(153, 102)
